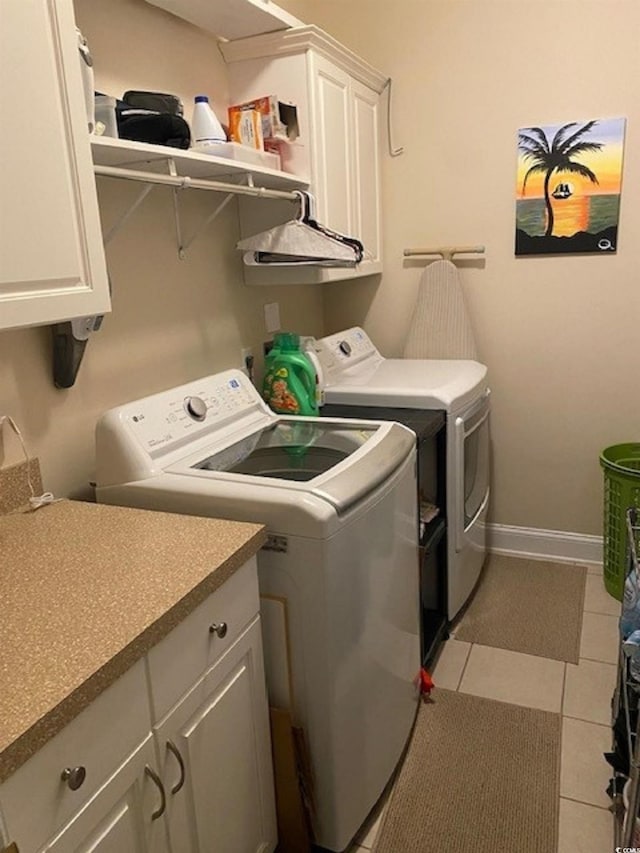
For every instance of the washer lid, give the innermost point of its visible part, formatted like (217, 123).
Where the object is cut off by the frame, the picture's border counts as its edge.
(412, 383)
(290, 450)
(338, 461)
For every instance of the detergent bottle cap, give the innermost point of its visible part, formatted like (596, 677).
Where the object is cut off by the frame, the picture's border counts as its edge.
(287, 341)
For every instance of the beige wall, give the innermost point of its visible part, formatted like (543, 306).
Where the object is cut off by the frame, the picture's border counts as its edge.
(560, 335)
(172, 320)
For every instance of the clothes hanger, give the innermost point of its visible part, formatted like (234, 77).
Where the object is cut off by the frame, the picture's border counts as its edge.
(308, 216)
(301, 241)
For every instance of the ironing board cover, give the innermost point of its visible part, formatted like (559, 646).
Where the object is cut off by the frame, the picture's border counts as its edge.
(440, 327)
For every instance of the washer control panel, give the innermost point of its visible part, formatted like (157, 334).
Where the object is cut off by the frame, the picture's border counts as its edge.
(164, 419)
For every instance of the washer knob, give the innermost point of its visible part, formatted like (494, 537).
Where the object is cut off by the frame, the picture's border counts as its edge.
(345, 347)
(196, 408)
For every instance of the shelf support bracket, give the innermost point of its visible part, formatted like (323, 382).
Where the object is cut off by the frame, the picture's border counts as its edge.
(171, 164)
(111, 233)
(183, 244)
(179, 182)
(183, 248)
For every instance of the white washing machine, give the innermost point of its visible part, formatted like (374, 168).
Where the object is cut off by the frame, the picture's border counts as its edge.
(353, 372)
(338, 576)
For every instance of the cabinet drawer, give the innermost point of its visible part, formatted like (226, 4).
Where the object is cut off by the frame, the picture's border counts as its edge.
(179, 660)
(36, 802)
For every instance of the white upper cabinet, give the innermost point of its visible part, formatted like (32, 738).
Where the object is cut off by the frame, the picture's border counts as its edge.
(365, 111)
(332, 145)
(338, 150)
(52, 264)
(230, 19)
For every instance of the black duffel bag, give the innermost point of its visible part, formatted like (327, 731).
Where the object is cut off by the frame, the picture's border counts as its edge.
(152, 117)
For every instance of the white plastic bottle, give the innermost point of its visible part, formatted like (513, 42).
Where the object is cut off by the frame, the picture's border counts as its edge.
(308, 347)
(205, 128)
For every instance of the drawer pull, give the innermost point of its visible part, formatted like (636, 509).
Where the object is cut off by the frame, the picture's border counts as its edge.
(219, 628)
(158, 783)
(173, 749)
(74, 777)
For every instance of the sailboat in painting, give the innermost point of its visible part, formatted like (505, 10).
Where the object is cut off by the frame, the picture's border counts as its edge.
(562, 191)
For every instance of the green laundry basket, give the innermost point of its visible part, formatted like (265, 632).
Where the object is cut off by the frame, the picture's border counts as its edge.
(621, 465)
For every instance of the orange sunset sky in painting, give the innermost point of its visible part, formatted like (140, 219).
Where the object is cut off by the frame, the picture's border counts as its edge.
(606, 164)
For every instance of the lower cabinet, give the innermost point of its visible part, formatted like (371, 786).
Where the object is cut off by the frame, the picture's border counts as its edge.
(217, 761)
(125, 816)
(130, 776)
(70, 779)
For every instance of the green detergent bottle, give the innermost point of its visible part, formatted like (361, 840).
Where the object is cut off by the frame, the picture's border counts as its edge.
(289, 378)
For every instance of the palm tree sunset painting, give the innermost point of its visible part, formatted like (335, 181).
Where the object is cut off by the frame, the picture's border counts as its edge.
(568, 187)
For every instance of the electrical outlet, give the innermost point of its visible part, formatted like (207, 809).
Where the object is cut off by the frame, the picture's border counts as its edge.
(272, 317)
(246, 360)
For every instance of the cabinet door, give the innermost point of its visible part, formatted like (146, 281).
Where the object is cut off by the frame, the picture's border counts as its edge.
(365, 106)
(119, 817)
(52, 258)
(36, 801)
(332, 160)
(222, 801)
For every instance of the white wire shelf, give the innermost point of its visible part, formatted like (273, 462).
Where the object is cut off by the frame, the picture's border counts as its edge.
(145, 157)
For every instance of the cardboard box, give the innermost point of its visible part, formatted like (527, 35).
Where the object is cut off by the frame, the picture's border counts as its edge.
(245, 127)
(279, 120)
(294, 832)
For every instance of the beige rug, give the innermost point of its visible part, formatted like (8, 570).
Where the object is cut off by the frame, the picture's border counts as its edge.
(527, 606)
(479, 777)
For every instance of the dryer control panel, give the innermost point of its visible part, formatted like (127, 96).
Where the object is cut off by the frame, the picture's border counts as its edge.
(343, 351)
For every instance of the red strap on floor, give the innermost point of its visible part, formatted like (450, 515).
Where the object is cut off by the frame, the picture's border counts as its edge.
(425, 683)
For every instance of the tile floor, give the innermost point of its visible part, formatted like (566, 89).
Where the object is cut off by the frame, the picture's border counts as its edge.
(581, 693)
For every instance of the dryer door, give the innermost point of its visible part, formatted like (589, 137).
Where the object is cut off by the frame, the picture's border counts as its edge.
(472, 440)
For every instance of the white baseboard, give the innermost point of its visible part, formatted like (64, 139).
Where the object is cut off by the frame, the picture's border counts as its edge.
(535, 544)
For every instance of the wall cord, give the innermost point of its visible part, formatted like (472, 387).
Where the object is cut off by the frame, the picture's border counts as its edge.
(35, 501)
(393, 152)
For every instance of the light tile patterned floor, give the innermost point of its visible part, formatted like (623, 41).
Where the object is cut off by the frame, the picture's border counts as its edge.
(582, 693)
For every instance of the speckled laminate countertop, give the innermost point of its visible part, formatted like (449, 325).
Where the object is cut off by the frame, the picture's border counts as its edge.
(85, 591)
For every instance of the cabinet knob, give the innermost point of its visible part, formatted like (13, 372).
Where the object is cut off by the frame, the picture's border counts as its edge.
(219, 628)
(74, 777)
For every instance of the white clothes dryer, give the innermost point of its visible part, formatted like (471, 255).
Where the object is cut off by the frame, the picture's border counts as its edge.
(353, 372)
(339, 500)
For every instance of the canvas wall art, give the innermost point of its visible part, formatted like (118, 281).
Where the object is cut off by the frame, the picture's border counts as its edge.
(568, 187)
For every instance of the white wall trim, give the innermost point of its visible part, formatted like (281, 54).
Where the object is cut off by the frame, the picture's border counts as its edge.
(533, 543)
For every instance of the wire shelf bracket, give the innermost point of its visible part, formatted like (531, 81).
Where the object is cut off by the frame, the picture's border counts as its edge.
(179, 183)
